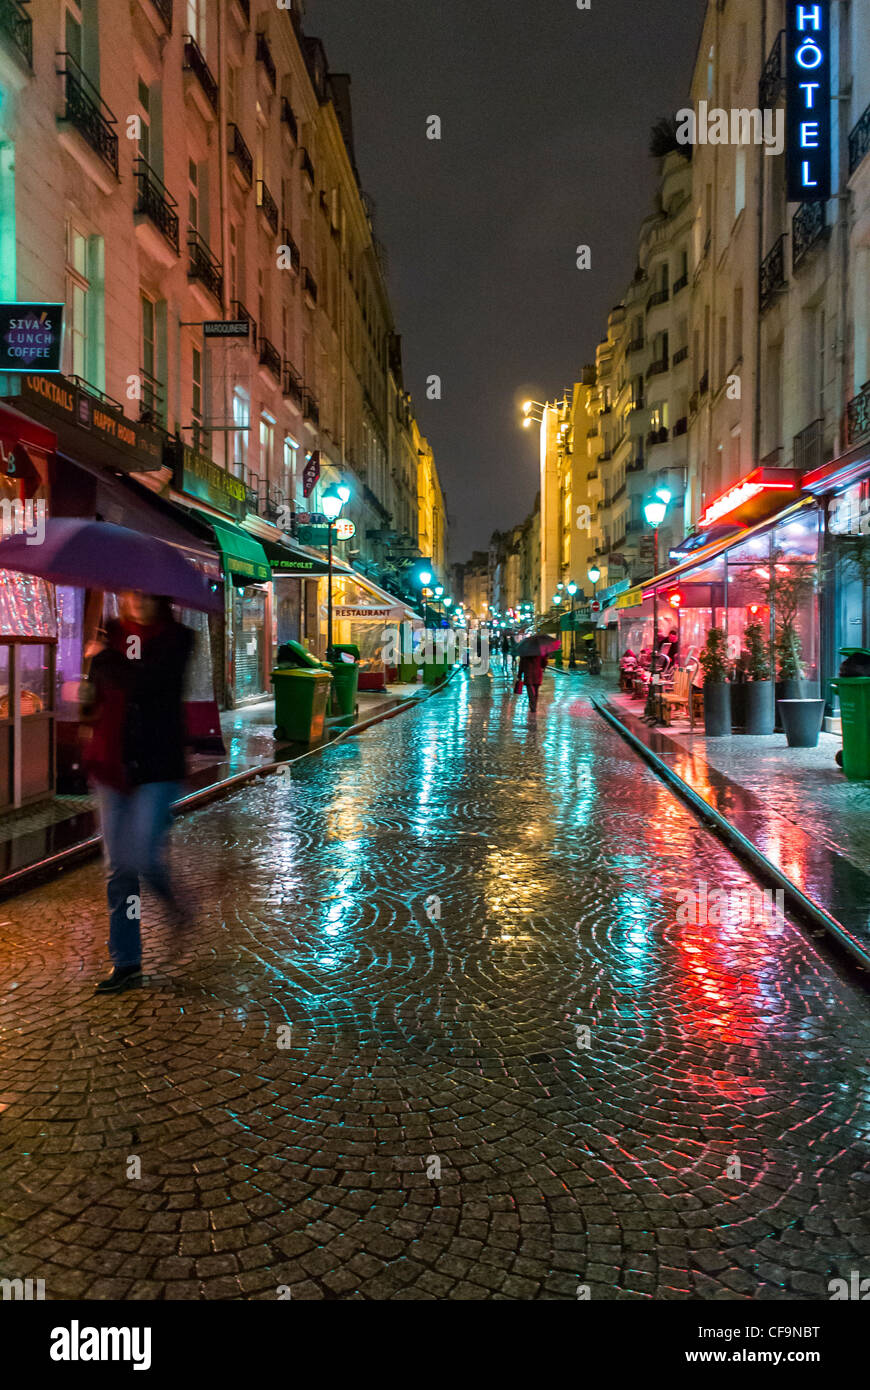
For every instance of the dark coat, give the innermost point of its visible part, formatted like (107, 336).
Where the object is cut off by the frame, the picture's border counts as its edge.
(532, 669)
(138, 712)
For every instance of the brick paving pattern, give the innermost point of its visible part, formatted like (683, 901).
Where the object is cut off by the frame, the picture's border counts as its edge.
(364, 1074)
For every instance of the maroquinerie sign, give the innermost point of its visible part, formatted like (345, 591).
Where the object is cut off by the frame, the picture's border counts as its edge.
(808, 100)
(87, 427)
(31, 336)
(199, 476)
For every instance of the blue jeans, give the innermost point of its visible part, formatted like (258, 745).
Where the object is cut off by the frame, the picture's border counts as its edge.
(135, 828)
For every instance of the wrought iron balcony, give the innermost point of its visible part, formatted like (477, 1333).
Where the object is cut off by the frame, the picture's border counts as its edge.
(679, 356)
(270, 357)
(17, 26)
(680, 284)
(310, 408)
(241, 315)
(657, 368)
(307, 167)
(772, 277)
(681, 427)
(309, 284)
(808, 447)
(288, 116)
(808, 227)
(292, 386)
(194, 61)
(267, 204)
(154, 201)
(164, 9)
(635, 345)
(85, 109)
(152, 399)
(657, 297)
(657, 437)
(859, 142)
(203, 265)
(295, 253)
(772, 84)
(239, 151)
(264, 56)
(858, 416)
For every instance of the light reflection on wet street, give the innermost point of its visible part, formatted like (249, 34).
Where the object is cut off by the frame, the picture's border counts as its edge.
(509, 1070)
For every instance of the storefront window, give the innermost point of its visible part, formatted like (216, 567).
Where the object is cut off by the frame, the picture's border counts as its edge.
(26, 608)
(34, 677)
(249, 627)
(794, 595)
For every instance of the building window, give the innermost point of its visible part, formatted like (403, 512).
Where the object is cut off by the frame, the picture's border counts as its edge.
(739, 180)
(193, 195)
(84, 301)
(196, 377)
(241, 420)
(234, 262)
(267, 445)
(72, 34)
(196, 21)
(291, 459)
(144, 114)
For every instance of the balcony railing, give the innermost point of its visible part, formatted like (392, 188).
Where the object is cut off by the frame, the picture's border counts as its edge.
(85, 109)
(164, 9)
(292, 384)
(605, 455)
(309, 284)
(288, 116)
(679, 356)
(194, 61)
(267, 204)
(808, 447)
(17, 25)
(681, 427)
(307, 167)
(252, 492)
(295, 253)
(239, 151)
(635, 345)
(637, 464)
(858, 416)
(771, 276)
(241, 315)
(808, 227)
(657, 368)
(264, 56)
(859, 142)
(151, 400)
(680, 284)
(203, 265)
(657, 437)
(772, 84)
(154, 201)
(310, 408)
(657, 297)
(620, 491)
(270, 357)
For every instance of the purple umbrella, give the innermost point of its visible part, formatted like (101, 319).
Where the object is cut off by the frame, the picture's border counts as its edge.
(98, 555)
(539, 644)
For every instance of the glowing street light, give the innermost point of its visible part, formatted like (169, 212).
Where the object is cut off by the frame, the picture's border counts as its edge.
(331, 503)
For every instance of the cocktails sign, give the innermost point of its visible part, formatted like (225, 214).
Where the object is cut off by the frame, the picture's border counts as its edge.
(808, 100)
(31, 336)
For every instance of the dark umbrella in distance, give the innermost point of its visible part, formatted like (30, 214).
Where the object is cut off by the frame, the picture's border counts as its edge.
(538, 644)
(98, 555)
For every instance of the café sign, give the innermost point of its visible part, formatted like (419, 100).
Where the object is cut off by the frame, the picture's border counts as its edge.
(89, 427)
(808, 101)
(31, 336)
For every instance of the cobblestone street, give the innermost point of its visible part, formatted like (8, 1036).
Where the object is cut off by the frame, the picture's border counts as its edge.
(364, 1074)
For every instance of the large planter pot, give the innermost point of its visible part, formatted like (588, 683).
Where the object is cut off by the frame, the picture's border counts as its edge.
(738, 705)
(795, 689)
(802, 721)
(717, 709)
(760, 708)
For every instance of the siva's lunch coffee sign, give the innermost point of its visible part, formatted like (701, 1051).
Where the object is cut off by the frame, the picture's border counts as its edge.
(31, 336)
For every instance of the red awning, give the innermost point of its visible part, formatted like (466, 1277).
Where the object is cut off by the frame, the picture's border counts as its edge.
(16, 428)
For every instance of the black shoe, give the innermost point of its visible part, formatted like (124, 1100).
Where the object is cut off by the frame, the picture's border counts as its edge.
(123, 977)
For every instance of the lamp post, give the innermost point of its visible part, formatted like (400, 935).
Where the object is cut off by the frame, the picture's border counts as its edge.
(655, 512)
(424, 579)
(572, 590)
(331, 504)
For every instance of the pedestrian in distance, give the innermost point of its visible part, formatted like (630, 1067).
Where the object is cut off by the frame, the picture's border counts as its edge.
(532, 667)
(133, 740)
(506, 649)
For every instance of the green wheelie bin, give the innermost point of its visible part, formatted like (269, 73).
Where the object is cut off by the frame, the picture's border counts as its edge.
(854, 693)
(301, 699)
(345, 678)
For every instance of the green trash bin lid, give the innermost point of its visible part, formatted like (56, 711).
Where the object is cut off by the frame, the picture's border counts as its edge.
(293, 654)
(350, 648)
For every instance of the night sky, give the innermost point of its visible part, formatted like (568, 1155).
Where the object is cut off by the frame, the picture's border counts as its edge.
(546, 112)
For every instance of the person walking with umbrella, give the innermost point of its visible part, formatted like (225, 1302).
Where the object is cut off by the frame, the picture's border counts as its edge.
(134, 754)
(533, 652)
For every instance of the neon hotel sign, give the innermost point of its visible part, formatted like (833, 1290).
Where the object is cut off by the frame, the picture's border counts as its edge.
(808, 101)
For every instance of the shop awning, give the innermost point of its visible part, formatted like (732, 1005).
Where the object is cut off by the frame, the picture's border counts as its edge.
(244, 557)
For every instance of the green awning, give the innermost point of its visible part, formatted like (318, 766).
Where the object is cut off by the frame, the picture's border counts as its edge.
(243, 556)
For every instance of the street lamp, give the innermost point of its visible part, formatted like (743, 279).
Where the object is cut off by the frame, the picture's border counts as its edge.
(331, 504)
(572, 663)
(655, 512)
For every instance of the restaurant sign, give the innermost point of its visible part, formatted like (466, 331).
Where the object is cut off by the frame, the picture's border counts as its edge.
(808, 101)
(31, 335)
(88, 427)
(198, 476)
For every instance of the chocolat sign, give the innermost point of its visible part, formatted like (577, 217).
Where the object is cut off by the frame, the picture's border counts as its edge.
(30, 336)
(808, 101)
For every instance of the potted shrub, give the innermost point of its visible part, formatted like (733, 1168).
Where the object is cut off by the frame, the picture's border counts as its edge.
(717, 692)
(760, 708)
(792, 582)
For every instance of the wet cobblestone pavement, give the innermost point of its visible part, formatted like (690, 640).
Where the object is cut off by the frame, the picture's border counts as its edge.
(367, 1072)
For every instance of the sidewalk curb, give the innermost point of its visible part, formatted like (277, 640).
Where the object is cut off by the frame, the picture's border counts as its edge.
(804, 907)
(46, 870)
